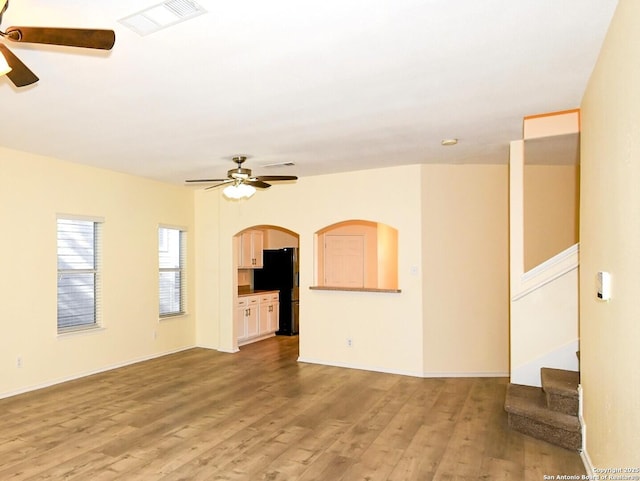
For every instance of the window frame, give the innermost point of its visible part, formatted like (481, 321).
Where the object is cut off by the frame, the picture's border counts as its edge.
(95, 271)
(164, 247)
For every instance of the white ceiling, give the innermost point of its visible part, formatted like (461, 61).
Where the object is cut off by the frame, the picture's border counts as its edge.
(332, 86)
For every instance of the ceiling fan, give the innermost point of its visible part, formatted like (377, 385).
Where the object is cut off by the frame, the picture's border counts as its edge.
(240, 183)
(19, 73)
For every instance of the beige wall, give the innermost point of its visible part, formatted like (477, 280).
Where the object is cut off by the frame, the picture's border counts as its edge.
(610, 241)
(279, 239)
(464, 225)
(33, 190)
(386, 329)
(550, 211)
(465, 268)
(387, 257)
(208, 239)
(451, 224)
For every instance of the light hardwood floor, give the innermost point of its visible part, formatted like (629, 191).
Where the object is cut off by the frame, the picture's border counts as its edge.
(260, 415)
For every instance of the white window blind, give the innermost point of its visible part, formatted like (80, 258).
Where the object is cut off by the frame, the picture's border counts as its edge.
(171, 249)
(78, 274)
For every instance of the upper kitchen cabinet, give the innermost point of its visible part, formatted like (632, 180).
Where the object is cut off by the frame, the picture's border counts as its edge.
(250, 251)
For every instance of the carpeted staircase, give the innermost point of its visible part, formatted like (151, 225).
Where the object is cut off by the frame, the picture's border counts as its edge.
(549, 413)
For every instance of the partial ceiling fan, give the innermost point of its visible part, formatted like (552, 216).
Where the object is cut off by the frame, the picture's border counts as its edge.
(19, 73)
(240, 183)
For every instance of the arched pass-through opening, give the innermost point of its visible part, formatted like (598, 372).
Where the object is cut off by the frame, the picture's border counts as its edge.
(357, 255)
(267, 287)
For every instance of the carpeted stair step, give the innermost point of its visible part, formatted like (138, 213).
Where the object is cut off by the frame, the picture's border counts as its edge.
(561, 389)
(528, 413)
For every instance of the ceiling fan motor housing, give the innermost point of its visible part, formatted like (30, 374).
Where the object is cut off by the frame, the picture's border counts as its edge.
(239, 173)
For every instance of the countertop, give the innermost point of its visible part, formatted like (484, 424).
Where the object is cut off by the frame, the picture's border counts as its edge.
(251, 292)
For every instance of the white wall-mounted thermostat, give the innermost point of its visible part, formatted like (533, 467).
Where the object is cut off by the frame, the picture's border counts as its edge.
(604, 286)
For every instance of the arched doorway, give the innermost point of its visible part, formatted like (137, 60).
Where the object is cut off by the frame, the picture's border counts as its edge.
(267, 289)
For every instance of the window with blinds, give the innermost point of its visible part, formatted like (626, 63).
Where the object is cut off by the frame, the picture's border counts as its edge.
(171, 250)
(78, 274)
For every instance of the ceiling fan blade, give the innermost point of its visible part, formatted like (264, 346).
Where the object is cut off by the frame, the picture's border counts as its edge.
(70, 37)
(20, 74)
(218, 185)
(257, 183)
(202, 181)
(4, 4)
(276, 177)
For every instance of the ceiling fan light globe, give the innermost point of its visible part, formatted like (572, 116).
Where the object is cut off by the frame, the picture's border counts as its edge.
(246, 190)
(249, 190)
(240, 191)
(231, 192)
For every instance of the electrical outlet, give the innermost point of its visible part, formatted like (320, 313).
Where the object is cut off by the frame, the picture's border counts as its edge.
(18, 361)
(155, 335)
(349, 342)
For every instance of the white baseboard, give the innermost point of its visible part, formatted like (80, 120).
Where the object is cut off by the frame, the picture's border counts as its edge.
(467, 374)
(228, 351)
(402, 372)
(256, 339)
(586, 460)
(345, 365)
(53, 382)
(584, 455)
(233, 350)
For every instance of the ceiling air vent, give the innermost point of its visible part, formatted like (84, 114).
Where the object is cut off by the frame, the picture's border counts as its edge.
(162, 16)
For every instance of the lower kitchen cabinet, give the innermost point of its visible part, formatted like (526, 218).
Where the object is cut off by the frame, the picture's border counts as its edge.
(246, 317)
(269, 313)
(256, 316)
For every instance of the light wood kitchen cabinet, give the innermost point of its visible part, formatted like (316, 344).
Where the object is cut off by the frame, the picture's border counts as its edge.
(246, 317)
(256, 316)
(269, 313)
(251, 247)
(238, 319)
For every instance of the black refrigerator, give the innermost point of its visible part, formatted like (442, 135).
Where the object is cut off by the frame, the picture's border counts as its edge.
(280, 272)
